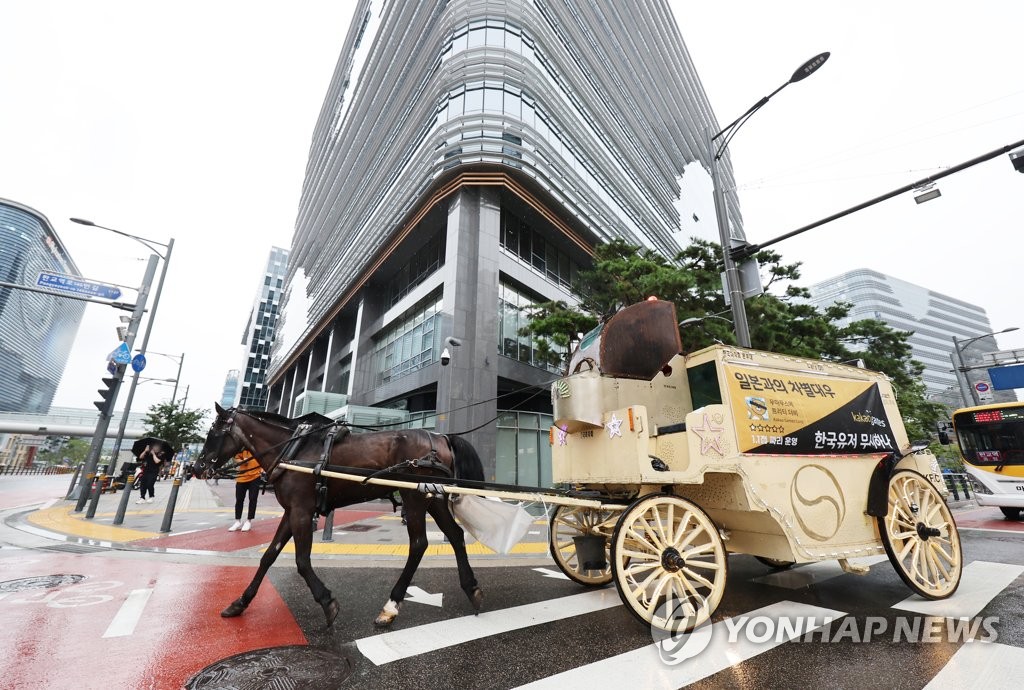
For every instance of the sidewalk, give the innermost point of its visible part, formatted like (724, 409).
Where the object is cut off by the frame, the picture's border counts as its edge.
(203, 513)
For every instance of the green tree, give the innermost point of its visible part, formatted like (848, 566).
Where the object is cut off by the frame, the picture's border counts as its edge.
(781, 320)
(174, 424)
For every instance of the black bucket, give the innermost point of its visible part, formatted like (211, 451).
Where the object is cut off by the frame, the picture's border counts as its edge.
(590, 552)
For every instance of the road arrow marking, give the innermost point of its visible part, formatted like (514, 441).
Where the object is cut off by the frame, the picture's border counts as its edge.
(417, 595)
(551, 573)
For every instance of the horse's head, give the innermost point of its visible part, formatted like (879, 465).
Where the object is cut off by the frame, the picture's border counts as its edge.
(223, 442)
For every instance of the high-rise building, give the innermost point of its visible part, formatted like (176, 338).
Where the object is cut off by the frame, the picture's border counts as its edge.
(260, 331)
(933, 318)
(230, 392)
(37, 330)
(467, 159)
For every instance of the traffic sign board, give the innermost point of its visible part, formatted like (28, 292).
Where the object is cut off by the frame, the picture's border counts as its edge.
(981, 386)
(65, 283)
(121, 355)
(139, 362)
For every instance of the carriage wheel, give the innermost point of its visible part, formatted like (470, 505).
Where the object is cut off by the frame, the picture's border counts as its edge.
(776, 564)
(920, 536)
(668, 562)
(572, 521)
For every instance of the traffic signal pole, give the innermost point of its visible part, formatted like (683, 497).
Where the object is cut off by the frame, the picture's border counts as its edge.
(106, 405)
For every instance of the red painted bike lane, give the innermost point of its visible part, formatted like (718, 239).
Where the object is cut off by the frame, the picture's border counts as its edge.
(987, 518)
(127, 623)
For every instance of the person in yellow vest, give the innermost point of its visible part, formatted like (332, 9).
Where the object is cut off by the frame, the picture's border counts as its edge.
(247, 482)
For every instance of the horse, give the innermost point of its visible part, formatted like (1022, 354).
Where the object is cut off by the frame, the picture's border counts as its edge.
(266, 435)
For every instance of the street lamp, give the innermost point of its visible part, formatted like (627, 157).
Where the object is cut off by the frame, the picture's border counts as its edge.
(732, 284)
(968, 392)
(101, 429)
(180, 359)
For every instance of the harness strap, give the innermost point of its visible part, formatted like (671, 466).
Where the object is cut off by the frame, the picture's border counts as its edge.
(430, 461)
(321, 507)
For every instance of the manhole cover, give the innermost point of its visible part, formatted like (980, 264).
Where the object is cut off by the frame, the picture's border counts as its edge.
(358, 528)
(283, 668)
(40, 582)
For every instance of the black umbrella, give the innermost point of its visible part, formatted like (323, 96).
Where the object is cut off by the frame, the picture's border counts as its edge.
(158, 443)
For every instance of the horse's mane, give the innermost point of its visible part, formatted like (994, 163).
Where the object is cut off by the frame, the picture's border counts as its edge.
(313, 418)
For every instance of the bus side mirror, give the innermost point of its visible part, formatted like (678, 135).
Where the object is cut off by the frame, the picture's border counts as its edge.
(944, 438)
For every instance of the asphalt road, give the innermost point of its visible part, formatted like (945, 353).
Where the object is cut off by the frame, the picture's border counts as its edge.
(81, 614)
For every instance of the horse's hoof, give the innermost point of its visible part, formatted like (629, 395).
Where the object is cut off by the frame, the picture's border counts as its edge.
(234, 609)
(331, 609)
(477, 598)
(387, 615)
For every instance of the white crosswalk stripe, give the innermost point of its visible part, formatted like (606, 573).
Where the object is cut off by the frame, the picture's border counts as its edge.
(988, 665)
(980, 583)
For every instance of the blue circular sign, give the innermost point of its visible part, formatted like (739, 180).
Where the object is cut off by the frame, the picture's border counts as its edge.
(981, 386)
(139, 362)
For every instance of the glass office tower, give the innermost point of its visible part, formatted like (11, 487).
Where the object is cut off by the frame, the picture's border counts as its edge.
(468, 157)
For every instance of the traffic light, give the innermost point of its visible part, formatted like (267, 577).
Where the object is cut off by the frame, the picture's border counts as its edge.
(109, 395)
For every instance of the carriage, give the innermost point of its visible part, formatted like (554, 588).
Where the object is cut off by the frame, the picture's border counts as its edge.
(729, 450)
(667, 463)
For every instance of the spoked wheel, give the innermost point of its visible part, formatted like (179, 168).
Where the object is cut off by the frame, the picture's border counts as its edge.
(776, 564)
(573, 521)
(668, 562)
(920, 536)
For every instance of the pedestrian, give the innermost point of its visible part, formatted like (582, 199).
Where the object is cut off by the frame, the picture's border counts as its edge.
(151, 460)
(246, 482)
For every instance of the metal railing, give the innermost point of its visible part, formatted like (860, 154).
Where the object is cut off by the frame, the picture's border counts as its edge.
(21, 469)
(958, 483)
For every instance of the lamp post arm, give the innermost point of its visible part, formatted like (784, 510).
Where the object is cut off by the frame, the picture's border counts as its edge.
(177, 379)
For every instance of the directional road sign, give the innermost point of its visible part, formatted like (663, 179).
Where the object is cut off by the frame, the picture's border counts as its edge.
(79, 286)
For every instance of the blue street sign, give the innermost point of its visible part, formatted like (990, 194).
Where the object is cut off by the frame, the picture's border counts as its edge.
(1007, 378)
(139, 362)
(122, 355)
(59, 281)
(112, 367)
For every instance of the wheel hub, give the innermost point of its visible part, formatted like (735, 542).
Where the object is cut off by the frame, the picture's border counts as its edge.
(671, 560)
(924, 531)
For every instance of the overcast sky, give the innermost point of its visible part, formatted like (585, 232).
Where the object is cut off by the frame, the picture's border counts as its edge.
(193, 121)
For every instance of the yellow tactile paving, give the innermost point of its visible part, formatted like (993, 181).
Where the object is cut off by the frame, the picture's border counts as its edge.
(59, 519)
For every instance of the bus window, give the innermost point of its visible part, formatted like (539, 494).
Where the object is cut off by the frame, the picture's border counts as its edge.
(991, 437)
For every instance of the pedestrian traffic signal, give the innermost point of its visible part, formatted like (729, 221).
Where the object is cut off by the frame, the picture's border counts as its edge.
(109, 394)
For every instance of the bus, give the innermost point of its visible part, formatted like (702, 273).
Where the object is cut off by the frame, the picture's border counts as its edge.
(991, 440)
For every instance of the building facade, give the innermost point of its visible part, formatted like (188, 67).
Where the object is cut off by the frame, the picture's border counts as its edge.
(229, 394)
(467, 159)
(259, 333)
(934, 319)
(37, 330)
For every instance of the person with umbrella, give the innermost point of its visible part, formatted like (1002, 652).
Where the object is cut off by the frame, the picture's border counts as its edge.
(151, 453)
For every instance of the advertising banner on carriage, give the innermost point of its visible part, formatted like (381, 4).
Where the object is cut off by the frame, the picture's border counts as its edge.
(782, 412)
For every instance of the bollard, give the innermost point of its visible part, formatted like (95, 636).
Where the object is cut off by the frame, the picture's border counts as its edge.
(74, 478)
(94, 499)
(328, 534)
(951, 485)
(171, 500)
(126, 494)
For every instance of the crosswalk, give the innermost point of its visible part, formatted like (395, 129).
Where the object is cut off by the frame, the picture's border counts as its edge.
(742, 638)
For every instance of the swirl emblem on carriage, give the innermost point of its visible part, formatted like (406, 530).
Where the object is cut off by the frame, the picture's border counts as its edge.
(676, 647)
(817, 501)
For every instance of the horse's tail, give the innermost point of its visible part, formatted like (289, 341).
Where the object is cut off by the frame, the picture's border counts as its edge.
(467, 461)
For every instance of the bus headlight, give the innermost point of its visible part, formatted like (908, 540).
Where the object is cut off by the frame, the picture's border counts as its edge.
(980, 488)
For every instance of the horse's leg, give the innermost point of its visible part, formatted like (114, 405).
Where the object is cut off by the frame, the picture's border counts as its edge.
(441, 512)
(281, 537)
(302, 530)
(416, 525)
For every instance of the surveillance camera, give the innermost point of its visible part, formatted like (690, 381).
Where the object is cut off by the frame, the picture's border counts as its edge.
(445, 357)
(1017, 158)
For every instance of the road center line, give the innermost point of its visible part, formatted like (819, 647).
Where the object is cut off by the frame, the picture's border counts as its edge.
(980, 583)
(644, 667)
(129, 614)
(400, 644)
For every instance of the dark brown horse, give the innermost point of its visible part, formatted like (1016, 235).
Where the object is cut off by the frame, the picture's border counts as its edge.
(266, 435)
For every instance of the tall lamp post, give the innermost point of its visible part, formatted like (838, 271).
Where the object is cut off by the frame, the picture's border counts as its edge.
(733, 286)
(92, 462)
(967, 391)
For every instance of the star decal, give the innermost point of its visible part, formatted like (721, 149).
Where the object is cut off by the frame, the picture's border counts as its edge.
(562, 434)
(710, 436)
(614, 427)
